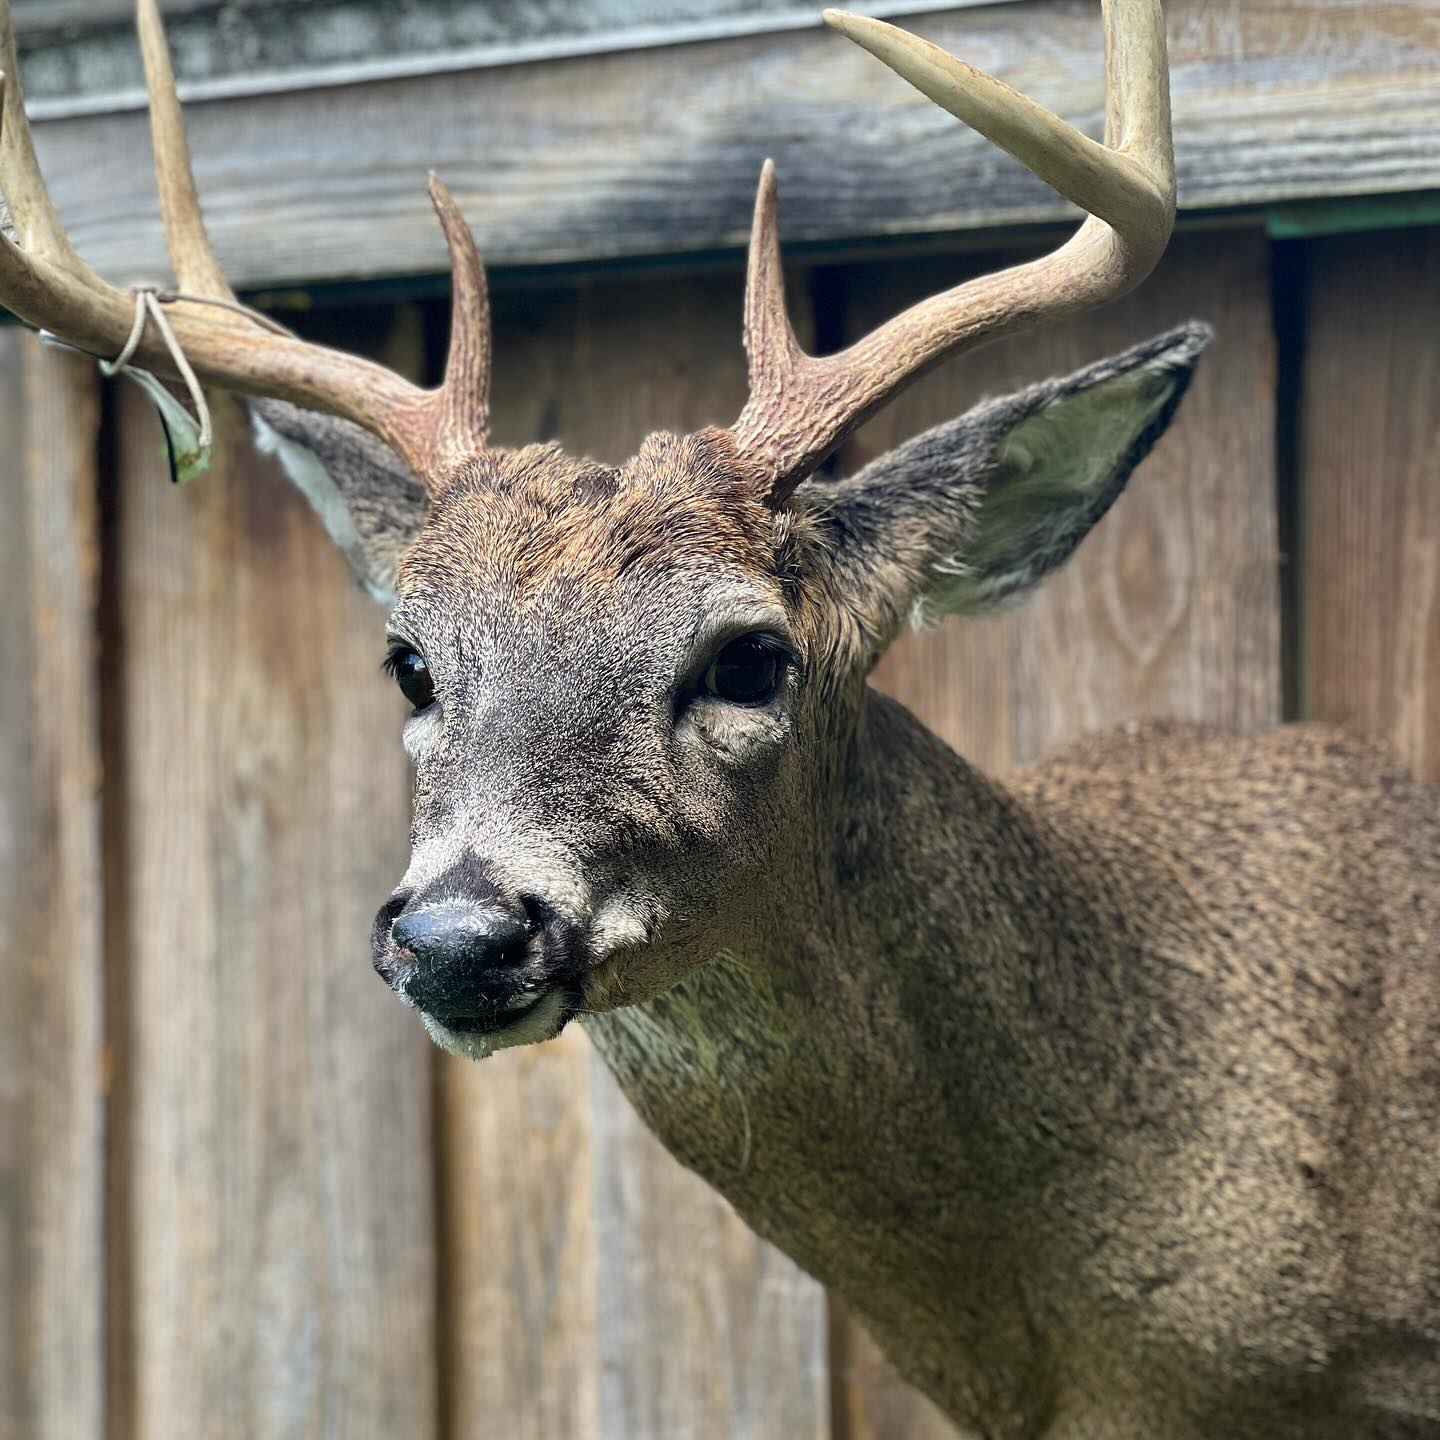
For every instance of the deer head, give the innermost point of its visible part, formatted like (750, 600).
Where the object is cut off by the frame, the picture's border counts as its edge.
(636, 690)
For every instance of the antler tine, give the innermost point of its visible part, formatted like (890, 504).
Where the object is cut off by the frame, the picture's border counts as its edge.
(191, 254)
(1104, 181)
(463, 401)
(769, 336)
(32, 211)
(801, 407)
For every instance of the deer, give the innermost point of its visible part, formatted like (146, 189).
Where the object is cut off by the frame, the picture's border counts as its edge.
(1106, 1096)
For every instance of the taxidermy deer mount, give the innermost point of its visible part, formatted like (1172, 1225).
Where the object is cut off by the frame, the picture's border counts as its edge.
(1109, 1099)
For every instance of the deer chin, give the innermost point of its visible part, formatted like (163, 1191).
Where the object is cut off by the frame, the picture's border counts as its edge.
(543, 1020)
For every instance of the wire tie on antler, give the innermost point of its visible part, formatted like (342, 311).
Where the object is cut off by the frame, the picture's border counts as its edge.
(258, 317)
(148, 302)
(148, 307)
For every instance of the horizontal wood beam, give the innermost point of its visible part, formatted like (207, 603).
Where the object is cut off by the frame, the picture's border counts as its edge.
(80, 56)
(656, 152)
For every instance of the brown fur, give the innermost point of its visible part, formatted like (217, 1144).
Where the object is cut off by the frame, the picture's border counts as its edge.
(1140, 1139)
(526, 521)
(1108, 1100)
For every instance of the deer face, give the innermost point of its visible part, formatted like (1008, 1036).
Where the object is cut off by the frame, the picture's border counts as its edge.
(609, 678)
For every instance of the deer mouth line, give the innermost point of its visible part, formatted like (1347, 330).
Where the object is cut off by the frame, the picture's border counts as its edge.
(497, 1022)
(489, 1024)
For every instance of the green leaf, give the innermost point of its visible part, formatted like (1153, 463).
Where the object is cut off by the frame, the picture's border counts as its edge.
(188, 457)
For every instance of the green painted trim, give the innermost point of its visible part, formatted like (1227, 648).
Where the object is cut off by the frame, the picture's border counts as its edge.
(1312, 218)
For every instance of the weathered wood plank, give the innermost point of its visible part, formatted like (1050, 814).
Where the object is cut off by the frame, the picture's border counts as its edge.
(278, 1172)
(1370, 491)
(629, 1302)
(52, 1366)
(80, 55)
(518, 1244)
(658, 153)
(1170, 609)
(707, 1333)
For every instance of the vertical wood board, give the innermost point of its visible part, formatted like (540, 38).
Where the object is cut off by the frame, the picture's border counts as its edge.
(52, 1072)
(1170, 608)
(278, 1173)
(1370, 490)
(517, 1243)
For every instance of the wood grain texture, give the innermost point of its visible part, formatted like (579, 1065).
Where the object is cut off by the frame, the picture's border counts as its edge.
(518, 1243)
(627, 1300)
(82, 53)
(278, 1170)
(1370, 491)
(1171, 608)
(658, 152)
(52, 1070)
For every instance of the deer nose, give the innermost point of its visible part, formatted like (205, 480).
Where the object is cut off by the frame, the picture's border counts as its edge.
(464, 955)
(456, 932)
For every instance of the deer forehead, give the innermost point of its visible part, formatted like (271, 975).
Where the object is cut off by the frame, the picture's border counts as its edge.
(536, 527)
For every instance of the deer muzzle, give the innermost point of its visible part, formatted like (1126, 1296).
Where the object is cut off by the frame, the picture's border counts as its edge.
(480, 967)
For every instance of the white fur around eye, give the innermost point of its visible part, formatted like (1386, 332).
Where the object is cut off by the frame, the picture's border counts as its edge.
(420, 733)
(740, 734)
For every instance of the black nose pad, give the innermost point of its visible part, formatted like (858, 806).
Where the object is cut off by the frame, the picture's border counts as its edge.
(463, 954)
(458, 931)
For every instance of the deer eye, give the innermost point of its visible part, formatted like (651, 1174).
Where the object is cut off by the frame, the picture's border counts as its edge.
(747, 671)
(412, 675)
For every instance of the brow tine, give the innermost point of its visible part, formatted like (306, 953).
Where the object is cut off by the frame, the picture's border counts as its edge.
(768, 331)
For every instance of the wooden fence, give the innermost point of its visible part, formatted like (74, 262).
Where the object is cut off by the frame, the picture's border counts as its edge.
(240, 1195)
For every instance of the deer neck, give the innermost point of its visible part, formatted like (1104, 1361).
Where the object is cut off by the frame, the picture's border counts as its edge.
(907, 974)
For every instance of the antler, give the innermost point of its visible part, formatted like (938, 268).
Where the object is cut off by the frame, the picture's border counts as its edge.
(802, 406)
(45, 282)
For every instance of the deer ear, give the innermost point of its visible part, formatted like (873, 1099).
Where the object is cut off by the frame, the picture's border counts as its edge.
(366, 496)
(1059, 456)
(976, 512)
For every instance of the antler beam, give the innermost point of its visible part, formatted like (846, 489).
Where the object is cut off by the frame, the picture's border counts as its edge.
(802, 406)
(44, 282)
